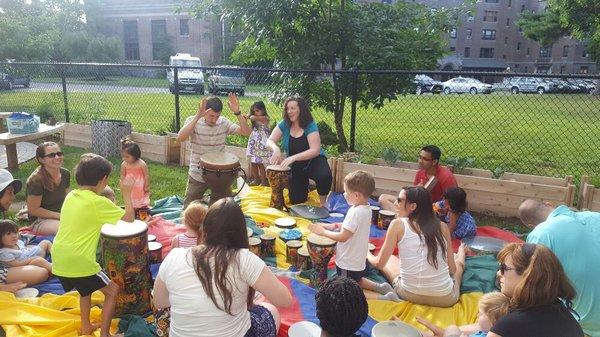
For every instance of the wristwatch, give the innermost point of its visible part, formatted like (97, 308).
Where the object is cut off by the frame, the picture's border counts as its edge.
(237, 113)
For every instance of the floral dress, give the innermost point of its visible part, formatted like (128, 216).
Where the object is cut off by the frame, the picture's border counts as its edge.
(257, 149)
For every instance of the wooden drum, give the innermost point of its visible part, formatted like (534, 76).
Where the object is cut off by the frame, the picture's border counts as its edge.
(219, 171)
(125, 254)
(321, 250)
(279, 177)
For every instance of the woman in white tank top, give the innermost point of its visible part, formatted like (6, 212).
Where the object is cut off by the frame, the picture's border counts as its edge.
(426, 270)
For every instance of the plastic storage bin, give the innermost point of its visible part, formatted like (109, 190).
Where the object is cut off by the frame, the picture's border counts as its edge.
(22, 123)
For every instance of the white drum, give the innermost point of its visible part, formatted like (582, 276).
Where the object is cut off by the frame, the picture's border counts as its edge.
(394, 329)
(304, 329)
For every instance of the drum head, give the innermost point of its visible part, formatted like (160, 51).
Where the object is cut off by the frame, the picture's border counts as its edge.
(278, 168)
(303, 251)
(304, 329)
(294, 243)
(375, 208)
(320, 240)
(309, 212)
(253, 241)
(219, 160)
(249, 231)
(394, 329)
(124, 229)
(154, 245)
(290, 234)
(386, 212)
(26, 293)
(267, 237)
(371, 246)
(286, 222)
(484, 244)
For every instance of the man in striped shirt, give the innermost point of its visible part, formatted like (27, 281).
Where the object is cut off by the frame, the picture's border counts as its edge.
(208, 132)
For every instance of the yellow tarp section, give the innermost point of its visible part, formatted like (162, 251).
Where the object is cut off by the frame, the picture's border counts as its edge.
(463, 312)
(47, 316)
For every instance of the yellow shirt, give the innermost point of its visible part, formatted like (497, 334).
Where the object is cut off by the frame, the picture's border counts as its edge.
(82, 215)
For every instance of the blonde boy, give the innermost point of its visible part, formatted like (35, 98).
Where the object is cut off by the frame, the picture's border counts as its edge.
(353, 238)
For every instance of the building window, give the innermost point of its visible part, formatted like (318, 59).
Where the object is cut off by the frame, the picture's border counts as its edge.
(488, 34)
(491, 16)
(583, 70)
(184, 27)
(159, 35)
(518, 45)
(467, 51)
(507, 22)
(486, 53)
(130, 41)
(509, 3)
(565, 51)
(545, 52)
(469, 33)
(492, 1)
(528, 51)
(453, 33)
(506, 40)
(562, 69)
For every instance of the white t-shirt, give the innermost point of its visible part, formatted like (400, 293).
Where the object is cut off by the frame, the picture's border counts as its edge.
(193, 313)
(207, 138)
(352, 254)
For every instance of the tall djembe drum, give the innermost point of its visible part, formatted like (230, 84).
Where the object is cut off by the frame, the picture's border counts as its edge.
(125, 256)
(321, 250)
(278, 180)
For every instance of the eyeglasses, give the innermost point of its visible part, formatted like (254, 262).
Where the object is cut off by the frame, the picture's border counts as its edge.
(504, 268)
(424, 159)
(53, 154)
(400, 200)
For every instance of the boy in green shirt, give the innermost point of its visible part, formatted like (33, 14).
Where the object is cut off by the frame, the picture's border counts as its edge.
(83, 213)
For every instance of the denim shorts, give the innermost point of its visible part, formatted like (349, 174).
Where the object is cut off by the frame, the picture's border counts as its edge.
(262, 323)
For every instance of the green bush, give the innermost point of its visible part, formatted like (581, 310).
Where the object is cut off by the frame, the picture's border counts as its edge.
(328, 137)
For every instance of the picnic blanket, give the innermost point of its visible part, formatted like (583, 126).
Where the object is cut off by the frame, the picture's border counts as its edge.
(44, 316)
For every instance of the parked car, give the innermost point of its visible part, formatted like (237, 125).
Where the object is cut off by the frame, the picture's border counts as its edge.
(583, 85)
(425, 84)
(227, 79)
(533, 84)
(189, 80)
(466, 84)
(505, 85)
(564, 86)
(8, 81)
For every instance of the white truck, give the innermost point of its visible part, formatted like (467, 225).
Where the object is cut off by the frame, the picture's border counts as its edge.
(189, 80)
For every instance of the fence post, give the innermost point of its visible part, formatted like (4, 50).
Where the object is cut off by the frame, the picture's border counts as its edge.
(63, 78)
(353, 112)
(177, 115)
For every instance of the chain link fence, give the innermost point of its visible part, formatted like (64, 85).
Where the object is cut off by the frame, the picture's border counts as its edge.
(525, 123)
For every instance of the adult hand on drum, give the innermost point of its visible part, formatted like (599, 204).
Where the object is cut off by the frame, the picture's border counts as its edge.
(276, 157)
(234, 103)
(287, 162)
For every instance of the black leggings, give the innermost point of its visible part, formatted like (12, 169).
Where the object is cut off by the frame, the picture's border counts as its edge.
(316, 169)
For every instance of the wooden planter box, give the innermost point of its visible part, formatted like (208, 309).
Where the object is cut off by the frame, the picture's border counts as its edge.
(155, 148)
(499, 197)
(589, 196)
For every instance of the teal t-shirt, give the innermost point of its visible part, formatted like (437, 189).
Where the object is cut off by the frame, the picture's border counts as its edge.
(285, 138)
(575, 239)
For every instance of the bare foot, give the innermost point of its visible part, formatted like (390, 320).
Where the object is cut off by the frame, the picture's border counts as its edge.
(89, 329)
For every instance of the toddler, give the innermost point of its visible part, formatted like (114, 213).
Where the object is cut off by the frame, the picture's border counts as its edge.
(257, 149)
(452, 209)
(193, 217)
(353, 238)
(14, 253)
(134, 168)
(492, 306)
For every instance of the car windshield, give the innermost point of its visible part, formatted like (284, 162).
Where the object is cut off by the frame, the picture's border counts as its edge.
(230, 73)
(186, 63)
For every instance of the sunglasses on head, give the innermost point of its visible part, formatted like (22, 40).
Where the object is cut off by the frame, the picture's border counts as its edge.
(504, 268)
(53, 154)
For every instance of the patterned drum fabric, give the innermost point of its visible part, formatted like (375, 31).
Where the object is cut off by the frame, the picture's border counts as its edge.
(125, 255)
(107, 135)
(321, 250)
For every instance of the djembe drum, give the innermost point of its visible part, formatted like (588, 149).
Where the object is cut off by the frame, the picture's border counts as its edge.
(321, 250)
(303, 262)
(279, 177)
(255, 246)
(219, 171)
(125, 254)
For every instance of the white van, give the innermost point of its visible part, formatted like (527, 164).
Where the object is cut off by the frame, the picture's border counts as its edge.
(190, 80)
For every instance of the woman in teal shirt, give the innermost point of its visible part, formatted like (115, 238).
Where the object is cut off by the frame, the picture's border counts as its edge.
(300, 140)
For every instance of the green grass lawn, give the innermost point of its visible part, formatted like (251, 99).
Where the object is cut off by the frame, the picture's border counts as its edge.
(146, 82)
(551, 135)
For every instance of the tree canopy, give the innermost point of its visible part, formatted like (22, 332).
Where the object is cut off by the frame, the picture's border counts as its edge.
(340, 35)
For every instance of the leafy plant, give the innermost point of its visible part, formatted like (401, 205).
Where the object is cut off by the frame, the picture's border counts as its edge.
(391, 156)
(45, 110)
(497, 172)
(328, 137)
(459, 163)
(332, 150)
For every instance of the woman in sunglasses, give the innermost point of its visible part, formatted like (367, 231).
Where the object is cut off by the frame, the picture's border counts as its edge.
(47, 187)
(540, 294)
(426, 270)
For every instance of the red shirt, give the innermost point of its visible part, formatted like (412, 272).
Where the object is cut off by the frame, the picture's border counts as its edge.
(445, 180)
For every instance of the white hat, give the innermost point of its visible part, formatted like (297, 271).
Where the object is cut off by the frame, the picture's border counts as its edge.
(6, 179)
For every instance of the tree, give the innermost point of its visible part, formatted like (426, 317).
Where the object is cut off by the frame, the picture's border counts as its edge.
(340, 35)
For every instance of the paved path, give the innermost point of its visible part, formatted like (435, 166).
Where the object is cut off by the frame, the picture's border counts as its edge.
(25, 152)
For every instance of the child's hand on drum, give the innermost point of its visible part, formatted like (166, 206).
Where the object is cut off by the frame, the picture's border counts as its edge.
(316, 228)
